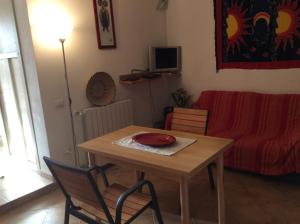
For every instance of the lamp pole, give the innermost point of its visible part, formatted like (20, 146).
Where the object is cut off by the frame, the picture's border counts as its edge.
(62, 41)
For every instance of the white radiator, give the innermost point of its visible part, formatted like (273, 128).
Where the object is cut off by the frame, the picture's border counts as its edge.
(98, 121)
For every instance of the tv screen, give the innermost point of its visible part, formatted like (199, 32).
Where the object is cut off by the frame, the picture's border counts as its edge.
(166, 59)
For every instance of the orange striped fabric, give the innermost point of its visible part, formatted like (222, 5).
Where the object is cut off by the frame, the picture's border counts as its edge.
(266, 129)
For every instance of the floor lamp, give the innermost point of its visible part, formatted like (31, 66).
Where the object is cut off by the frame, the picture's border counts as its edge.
(62, 41)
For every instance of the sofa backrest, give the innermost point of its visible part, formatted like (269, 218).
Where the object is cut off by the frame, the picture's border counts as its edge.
(249, 113)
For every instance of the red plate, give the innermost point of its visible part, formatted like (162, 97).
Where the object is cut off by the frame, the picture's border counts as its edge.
(154, 139)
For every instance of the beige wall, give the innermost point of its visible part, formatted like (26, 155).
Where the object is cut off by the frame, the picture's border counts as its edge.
(138, 24)
(191, 25)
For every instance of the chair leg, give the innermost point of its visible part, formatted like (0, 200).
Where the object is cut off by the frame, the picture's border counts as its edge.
(154, 203)
(140, 176)
(67, 212)
(156, 208)
(211, 177)
(157, 213)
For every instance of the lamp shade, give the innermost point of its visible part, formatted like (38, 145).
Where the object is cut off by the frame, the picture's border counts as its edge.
(50, 22)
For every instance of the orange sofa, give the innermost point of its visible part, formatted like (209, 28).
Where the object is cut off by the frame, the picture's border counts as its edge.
(265, 127)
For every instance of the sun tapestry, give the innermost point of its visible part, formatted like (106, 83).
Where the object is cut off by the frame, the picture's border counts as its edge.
(257, 34)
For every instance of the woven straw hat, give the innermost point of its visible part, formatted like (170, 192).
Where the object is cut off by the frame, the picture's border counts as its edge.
(101, 89)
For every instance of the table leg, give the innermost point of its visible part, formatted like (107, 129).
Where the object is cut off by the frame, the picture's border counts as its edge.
(184, 201)
(220, 186)
(92, 159)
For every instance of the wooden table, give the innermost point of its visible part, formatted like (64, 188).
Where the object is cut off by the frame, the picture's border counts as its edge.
(181, 166)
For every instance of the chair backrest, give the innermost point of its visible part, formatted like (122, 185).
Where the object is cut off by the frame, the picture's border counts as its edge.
(189, 120)
(77, 184)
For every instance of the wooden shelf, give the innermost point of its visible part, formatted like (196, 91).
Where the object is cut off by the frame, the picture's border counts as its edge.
(135, 78)
(129, 82)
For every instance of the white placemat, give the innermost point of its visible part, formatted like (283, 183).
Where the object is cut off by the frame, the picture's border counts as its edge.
(180, 144)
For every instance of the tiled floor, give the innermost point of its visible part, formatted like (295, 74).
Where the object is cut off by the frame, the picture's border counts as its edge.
(19, 181)
(250, 199)
(50, 210)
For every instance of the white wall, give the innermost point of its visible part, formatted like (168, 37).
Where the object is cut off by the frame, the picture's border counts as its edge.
(191, 25)
(137, 25)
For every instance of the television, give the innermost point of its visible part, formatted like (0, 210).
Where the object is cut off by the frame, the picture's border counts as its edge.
(165, 59)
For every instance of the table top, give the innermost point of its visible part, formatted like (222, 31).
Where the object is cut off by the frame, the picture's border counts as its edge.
(186, 162)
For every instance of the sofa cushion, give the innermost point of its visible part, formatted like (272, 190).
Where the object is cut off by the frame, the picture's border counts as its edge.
(264, 154)
(266, 128)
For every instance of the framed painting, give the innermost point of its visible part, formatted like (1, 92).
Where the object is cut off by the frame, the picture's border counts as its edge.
(257, 34)
(105, 27)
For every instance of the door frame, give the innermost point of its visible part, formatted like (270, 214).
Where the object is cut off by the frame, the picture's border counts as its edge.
(12, 55)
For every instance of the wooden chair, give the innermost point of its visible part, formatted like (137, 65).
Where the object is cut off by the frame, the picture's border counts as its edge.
(193, 121)
(115, 205)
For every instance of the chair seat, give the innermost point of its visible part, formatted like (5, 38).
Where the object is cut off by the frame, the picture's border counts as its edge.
(134, 203)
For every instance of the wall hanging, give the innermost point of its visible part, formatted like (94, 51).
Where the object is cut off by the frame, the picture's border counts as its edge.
(105, 27)
(101, 89)
(257, 34)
